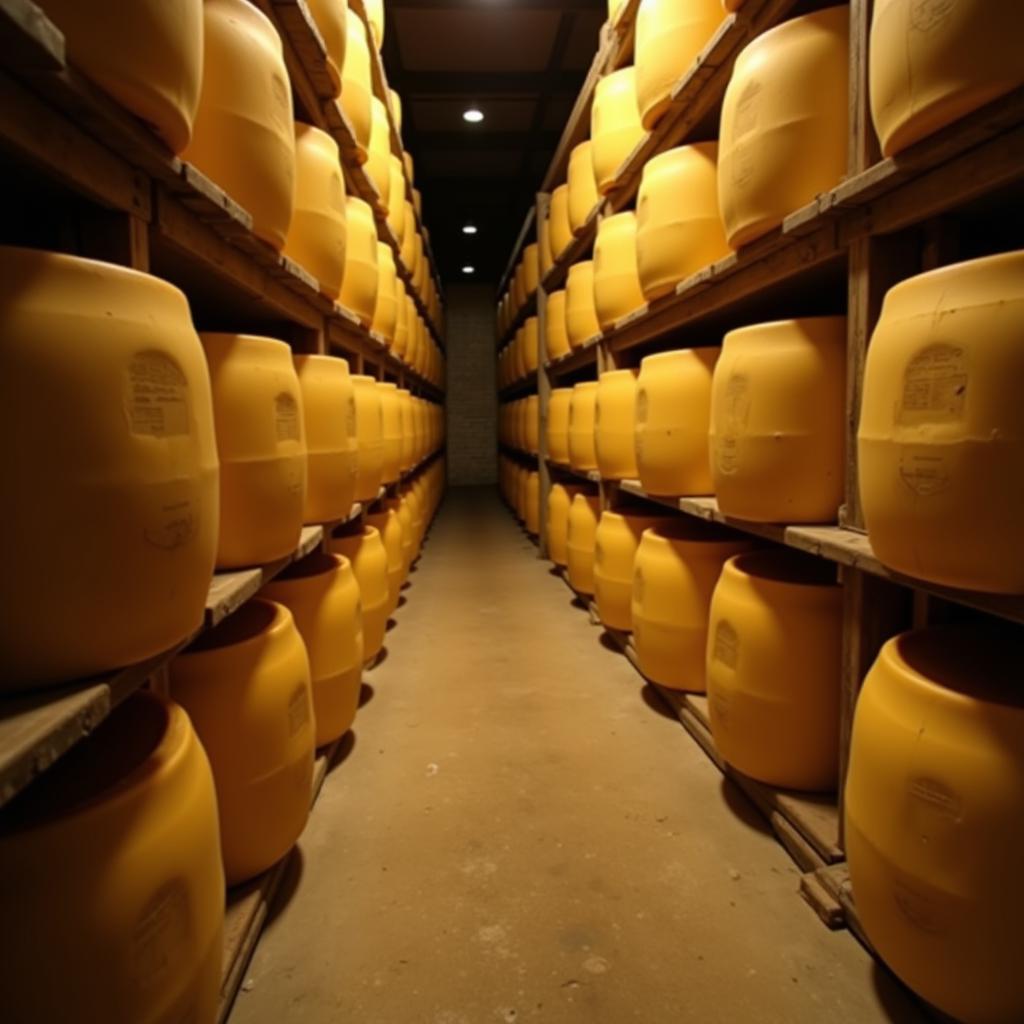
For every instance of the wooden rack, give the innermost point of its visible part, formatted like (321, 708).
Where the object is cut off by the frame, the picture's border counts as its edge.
(95, 182)
(887, 220)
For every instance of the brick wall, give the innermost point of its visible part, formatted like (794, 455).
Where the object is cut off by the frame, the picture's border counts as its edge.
(471, 399)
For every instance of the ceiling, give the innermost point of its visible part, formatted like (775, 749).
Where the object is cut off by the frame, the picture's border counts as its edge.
(521, 62)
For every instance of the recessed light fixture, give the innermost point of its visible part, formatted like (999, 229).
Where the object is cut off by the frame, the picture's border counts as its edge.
(473, 115)
(469, 229)
(469, 270)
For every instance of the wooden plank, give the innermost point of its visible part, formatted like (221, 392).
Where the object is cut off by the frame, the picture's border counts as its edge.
(574, 360)
(822, 902)
(37, 729)
(29, 41)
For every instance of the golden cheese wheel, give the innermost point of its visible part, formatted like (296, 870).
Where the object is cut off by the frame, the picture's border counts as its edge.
(322, 594)
(670, 34)
(317, 231)
(391, 431)
(615, 546)
(385, 310)
(246, 687)
(261, 443)
(784, 129)
(396, 198)
(243, 137)
(582, 186)
(357, 84)
(111, 856)
(584, 513)
(559, 499)
(675, 572)
(387, 523)
(360, 282)
(679, 230)
(558, 424)
(555, 330)
(329, 18)
(378, 155)
(407, 454)
(778, 421)
(934, 817)
(369, 438)
(375, 18)
(544, 244)
(531, 516)
(531, 268)
(147, 55)
(615, 128)
(615, 425)
(530, 346)
(329, 417)
(559, 228)
(364, 548)
(617, 290)
(580, 314)
(941, 436)
(929, 64)
(582, 410)
(773, 665)
(673, 410)
(106, 390)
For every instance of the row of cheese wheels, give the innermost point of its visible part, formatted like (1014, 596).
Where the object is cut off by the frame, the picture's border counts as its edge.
(211, 78)
(760, 423)
(784, 124)
(148, 455)
(183, 795)
(934, 791)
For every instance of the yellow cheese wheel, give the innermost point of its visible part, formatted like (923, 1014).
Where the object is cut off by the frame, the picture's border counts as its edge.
(531, 268)
(385, 310)
(357, 84)
(359, 284)
(378, 154)
(246, 687)
(615, 425)
(615, 546)
(580, 315)
(582, 186)
(934, 808)
(773, 665)
(244, 136)
(584, 513)
(406, 454)
(559, 499)
(673, 409)
(329, 417)
(396, 198)
(531, 516)
(369, 438)
(329, 18)
(363, 547)
(558, 424)
(555, 329)
(616, 279)
(317, 233)
(261, 443)
(676, 569)
(531, 417)
(941, 436)
(582, 409)
(322, 594)
(375, 18)
(932, 63)
(530, 343)
(615, 128)
(783, 137)
(112, 855)
(146, 55)
(558, 219)
(669, 36)
(105, 400)
(778, 421)
(391, 431)
(679, 230)
(387, 523)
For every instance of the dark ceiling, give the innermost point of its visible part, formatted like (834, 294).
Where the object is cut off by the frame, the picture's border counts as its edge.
(521, 62)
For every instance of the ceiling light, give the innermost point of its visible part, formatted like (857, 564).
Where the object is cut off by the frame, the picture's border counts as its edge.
(469, 229)
(472, 115)
(469, 270)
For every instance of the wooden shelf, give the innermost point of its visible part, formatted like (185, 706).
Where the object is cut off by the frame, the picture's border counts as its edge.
(526, 386)
(528, 309)
(845, 547)
(37, 728)
(585, 355)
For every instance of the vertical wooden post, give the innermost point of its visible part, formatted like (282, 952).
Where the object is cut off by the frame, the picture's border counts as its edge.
(115, 237)
(543, 391)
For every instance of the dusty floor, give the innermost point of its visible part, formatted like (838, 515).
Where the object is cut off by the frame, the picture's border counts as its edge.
(520, 833)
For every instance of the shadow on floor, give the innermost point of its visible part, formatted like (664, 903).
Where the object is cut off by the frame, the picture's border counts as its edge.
(366, 694)
(894, 998)
(743, 808)
(343, 752)
(655, 703)
(402, 600)
(288, 886)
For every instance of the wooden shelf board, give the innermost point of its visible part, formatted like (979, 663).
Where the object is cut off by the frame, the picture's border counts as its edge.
(528, 309)
(576, 359)
(38, 728)
(527, 385)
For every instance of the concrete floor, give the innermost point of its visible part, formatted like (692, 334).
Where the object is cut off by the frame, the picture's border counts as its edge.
(519, 832)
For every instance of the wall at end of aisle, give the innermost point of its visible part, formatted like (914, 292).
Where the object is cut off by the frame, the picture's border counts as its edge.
(472, 400)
